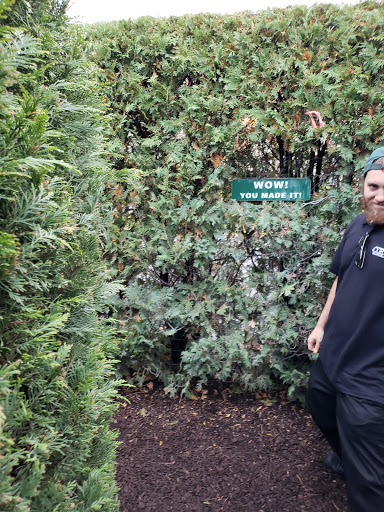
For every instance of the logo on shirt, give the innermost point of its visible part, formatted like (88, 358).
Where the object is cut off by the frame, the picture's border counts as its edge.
(378, 251)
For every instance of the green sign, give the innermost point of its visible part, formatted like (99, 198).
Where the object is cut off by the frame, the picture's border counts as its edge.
(290, 189)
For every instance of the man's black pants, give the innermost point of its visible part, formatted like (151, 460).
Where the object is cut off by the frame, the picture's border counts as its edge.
(354, 427)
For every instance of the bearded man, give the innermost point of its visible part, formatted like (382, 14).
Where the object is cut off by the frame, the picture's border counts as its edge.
(346, 386)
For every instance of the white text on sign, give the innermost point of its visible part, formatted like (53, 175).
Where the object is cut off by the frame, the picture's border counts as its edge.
(270, 195)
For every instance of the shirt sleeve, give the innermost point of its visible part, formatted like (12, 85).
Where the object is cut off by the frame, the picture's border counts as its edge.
(336, 260)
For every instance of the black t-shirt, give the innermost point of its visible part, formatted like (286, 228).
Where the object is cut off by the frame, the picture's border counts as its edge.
(352, 351)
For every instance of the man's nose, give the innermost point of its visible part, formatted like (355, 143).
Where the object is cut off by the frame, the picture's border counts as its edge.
(380, 197)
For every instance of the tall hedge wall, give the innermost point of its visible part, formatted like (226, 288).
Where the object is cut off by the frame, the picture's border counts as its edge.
(57, 384)
(214, 288)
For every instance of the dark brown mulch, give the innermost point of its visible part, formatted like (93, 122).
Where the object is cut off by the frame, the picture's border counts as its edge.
(232, 453)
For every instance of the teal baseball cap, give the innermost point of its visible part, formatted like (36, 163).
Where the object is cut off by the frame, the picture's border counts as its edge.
(370, 165)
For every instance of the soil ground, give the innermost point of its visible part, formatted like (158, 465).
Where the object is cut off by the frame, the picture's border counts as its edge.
(222, 452)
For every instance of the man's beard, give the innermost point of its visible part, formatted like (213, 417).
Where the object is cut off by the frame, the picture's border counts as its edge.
(373, 214)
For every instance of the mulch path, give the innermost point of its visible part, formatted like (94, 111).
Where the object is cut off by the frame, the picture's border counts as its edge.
(222, 452)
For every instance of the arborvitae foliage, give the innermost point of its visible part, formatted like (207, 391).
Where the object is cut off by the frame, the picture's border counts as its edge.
(200, 100)
(57, 384)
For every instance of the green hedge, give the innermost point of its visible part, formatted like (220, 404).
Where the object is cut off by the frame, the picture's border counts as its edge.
(212, 289)
(57, 383)
(201, 100)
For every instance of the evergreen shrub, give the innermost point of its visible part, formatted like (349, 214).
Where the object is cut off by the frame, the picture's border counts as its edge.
(57, 381)
(216, 289)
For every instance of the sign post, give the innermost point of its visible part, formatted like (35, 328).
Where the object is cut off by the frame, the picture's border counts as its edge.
(289, 189)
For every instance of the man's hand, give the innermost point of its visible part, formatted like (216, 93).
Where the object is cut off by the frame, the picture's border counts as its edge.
(314, 339)
(316, 336)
